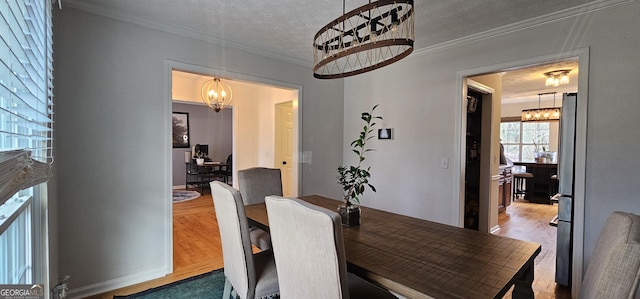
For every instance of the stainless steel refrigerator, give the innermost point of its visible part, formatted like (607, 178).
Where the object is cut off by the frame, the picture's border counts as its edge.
(566, 169)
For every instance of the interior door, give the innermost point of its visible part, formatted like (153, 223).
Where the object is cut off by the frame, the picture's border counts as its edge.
(284, 144)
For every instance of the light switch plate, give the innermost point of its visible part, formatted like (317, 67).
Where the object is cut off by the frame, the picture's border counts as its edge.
(306, 157)
(444, 163)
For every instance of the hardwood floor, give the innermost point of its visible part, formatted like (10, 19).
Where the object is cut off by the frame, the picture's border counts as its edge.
(196, 245)
(197, 250)
(530, 222)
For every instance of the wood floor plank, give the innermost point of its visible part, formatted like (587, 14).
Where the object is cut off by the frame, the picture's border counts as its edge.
(530, 222)
(196, 245)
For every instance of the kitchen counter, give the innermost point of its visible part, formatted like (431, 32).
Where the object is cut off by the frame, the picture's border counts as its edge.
(536, 164)
(541, 182)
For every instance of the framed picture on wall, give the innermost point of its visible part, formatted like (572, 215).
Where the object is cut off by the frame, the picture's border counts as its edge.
(180, 130)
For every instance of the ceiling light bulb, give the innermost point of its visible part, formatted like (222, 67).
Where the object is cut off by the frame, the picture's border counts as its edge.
(394, 21)
(557, 77)
(374, 32)
(549, 81)
(546, 114)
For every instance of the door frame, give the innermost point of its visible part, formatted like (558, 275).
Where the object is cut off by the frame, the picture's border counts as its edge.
(582, 54)
(169, 66)
(488, 211)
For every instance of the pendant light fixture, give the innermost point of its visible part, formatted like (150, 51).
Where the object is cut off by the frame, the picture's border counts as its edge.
(557, 78)
(217, 94)
(364, 39)
(542, 114)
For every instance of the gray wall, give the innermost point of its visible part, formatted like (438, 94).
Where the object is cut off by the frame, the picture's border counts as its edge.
(421, 107)
(205, 127)
(112, 196)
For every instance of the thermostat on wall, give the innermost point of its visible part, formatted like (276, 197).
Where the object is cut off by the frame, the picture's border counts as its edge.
(385, 133)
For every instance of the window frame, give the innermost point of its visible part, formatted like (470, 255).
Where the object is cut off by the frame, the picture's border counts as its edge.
(26, 131)
(520, 144)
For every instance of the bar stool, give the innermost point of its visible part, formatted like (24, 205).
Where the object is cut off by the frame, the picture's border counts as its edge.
(520, 184)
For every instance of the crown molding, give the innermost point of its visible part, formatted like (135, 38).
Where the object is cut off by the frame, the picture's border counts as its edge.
(524, 25)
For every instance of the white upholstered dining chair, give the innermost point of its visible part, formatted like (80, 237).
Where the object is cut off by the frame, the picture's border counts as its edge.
(251, 275)
(614, 269)
(309, 252)
(256, 183)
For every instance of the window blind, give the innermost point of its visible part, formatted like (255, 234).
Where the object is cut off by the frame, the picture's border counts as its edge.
(26, 126)
(26, 95)
(19, 171)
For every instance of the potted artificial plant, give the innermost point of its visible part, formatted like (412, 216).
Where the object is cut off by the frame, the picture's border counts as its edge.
(200, 156)
(355, 178)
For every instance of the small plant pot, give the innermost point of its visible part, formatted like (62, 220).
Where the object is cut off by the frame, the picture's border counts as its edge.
(200, 161)
(350, 215)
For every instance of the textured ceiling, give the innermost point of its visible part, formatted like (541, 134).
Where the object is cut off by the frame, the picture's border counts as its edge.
(524, 85)
(285, 28)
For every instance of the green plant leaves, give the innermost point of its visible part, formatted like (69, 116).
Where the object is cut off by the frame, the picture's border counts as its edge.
(354, 179)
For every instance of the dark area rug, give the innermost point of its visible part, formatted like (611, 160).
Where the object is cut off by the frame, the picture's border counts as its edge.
(208, 285)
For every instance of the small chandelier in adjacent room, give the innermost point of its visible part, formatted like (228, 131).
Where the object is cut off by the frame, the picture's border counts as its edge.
(556, 78)
(217, 94)
(364, 39)
(542, 114)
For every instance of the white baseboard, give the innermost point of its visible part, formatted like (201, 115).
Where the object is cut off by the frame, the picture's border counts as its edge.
(495, 229)
(179, 187)
(114, 284)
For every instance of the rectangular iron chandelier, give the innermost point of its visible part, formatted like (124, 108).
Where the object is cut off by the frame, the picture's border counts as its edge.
(364, 39)
(542, 114)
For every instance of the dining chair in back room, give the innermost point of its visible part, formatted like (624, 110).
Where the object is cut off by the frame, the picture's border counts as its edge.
(225, 172)
(256, 183)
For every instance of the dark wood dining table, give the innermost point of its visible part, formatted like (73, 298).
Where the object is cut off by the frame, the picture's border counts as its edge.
(417, 258)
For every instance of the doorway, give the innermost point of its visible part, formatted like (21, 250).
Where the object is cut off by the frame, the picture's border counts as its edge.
(253, 125)
(479, 212)
(252, 115)
(581, 57)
